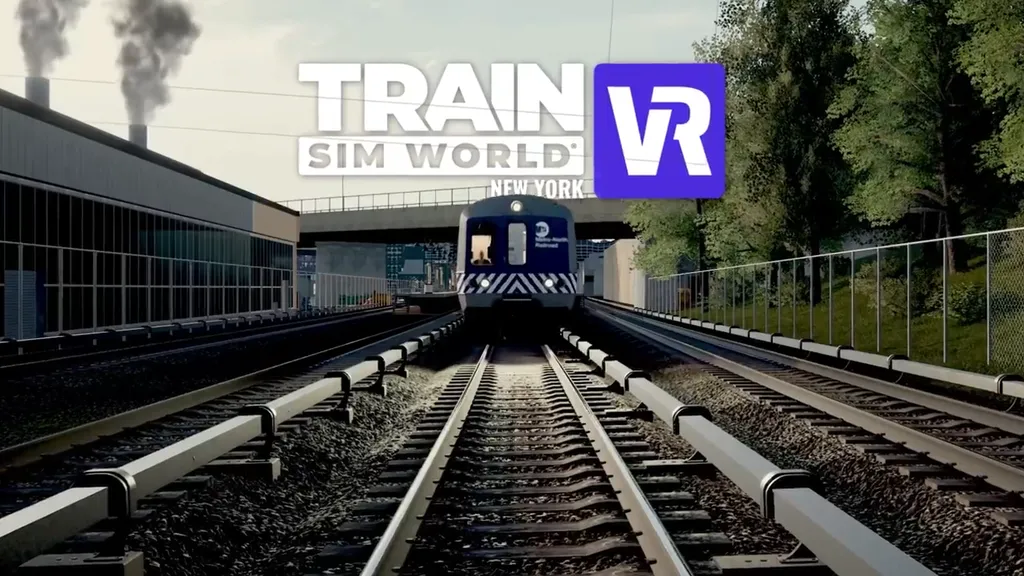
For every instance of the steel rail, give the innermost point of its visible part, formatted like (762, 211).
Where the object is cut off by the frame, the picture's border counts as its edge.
(655, 541)
(1000, 420)
(788, 497)
(1003, 384)
(33, 450)
(997, 474)
(44, 524)
(394, 545)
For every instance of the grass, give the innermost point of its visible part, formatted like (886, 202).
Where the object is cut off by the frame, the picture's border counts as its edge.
(858, 325)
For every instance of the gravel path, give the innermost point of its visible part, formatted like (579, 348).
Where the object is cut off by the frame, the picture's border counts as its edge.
(240, 527)
(40, 404)
(928, 525)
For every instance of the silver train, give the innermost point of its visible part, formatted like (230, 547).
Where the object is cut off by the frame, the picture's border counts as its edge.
(517, 264)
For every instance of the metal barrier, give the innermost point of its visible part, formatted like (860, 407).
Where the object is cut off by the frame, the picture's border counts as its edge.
(345, 292)
(788, 497)
(49, 290)
(116, 492)
(410, 199)
(1007, 384)
(86, 339)
(923, 300)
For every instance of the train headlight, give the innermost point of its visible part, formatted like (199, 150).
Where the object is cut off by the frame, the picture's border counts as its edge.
(485, 283)
(517, 206)
(549, 283)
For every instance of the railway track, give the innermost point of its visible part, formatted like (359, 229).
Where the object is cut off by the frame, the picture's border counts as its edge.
(148, 454)
(504, 477)
(952, 446)
(522, 467)
(108, 347)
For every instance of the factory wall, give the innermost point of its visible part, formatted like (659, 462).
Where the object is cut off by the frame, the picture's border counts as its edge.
(622, 282)
(593, 275)
(98, 232)
(351, 258)
(54, 152)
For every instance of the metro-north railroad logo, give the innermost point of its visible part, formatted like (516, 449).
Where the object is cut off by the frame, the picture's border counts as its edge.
(630, 164)
(542, 230)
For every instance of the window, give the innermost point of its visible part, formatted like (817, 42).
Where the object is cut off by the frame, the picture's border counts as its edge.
(481, 245)
(517, 244)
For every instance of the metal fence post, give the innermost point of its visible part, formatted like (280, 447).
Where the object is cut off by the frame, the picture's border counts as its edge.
(988, 298)
(878, 300)
(60, 290)
(124, 289)
(778, 305)
(732, 282)
(767, 294)
(793, 266)
(95, 290)
(830, 305)
(743, 298)
(173, 265)
(945, 299)
(909, 305)
(810, 296)
(853, 300)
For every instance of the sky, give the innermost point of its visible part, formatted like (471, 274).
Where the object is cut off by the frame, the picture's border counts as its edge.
(257, 45)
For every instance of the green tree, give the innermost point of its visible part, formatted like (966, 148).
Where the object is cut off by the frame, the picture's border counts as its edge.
(667, 231)
(993, 56)
(803, 53)
(912, 120)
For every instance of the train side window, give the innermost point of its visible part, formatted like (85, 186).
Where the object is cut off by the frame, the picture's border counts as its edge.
(482, 246)
(517, 244)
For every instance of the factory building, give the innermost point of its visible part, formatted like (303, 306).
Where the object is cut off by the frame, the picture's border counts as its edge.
(97, 231)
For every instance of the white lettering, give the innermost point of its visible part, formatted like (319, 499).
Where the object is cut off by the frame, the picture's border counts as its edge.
(642, 153)
(565, 104)
(397, 97)
(379, 104)
(551, 188)
(329, 78)
(460, 79)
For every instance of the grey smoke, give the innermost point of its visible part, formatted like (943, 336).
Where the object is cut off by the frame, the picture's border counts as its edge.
(155, 36)
(43, 23)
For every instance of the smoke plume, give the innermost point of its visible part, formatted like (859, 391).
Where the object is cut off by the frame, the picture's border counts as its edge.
(43, 23)
(155, 36)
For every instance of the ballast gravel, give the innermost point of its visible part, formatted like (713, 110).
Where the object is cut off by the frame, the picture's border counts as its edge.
(44, 403)
(235, 526)
(732, 512)
(927, 524)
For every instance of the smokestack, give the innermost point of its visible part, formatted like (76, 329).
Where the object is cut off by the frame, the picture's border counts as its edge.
(37, 90)
(137, 134)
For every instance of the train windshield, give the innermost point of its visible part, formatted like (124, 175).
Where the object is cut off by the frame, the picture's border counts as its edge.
(482, 245)
(517, 244)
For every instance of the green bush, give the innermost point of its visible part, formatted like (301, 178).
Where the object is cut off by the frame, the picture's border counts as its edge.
(966, 302)
(925, 291)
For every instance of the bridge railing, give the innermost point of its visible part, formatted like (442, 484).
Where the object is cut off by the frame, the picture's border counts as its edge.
(383, 201)
(955, 301)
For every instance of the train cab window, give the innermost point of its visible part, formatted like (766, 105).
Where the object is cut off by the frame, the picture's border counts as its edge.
(481, 246)
(517, 244)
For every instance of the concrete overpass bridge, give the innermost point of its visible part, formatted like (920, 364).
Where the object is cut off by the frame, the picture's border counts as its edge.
(429, 216)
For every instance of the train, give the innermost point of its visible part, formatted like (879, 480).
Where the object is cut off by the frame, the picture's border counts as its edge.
(517, 271)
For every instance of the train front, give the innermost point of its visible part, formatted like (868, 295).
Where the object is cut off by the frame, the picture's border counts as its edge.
(517, 259)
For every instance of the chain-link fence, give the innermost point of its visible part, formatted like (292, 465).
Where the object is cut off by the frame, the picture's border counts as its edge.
(340, 291)
(957, 301)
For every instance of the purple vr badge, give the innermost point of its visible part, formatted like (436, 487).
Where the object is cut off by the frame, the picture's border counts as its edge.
(659, 131)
